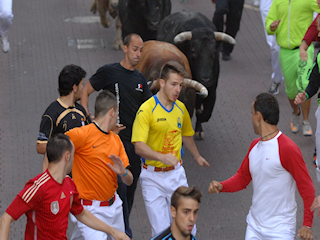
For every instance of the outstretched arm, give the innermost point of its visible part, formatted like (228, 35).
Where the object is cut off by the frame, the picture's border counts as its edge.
(41, 147)
(91, 221)
(84, 101)
(5, 222)
(189, 142)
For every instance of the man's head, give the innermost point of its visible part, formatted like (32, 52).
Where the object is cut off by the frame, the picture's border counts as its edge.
(60, 147)
(171, 79)
(106, 102)
(132, 48)
(266, 108)
(184, 209)
(71, 78)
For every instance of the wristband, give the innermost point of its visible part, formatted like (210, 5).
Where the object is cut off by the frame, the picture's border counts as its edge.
(125, 173)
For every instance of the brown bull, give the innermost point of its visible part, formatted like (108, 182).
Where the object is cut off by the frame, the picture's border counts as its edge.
(111, 6)
(154, 55)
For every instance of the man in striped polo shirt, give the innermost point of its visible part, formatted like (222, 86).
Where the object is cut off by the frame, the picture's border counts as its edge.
(184, 211)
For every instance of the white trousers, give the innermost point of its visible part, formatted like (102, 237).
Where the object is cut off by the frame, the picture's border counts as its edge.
(157, 188)
(111, 215)
(6, 16)
(276, 75)
(285, 231)
(268, 234)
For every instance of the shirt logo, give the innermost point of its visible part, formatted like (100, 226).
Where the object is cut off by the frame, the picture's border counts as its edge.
(65, 126)
(161, 119)
(62, 195)
(73, 116)
(55, 207)
(139, 87)
(179, 122)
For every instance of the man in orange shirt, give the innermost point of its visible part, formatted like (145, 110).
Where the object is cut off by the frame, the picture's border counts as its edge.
(99, 158)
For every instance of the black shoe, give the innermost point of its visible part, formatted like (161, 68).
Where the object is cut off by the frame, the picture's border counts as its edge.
(226, 56)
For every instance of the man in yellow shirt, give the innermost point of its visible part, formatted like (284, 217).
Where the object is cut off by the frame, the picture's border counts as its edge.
(161, 125)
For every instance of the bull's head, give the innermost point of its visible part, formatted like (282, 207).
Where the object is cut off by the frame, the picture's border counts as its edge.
(200, 48)
(154, 11)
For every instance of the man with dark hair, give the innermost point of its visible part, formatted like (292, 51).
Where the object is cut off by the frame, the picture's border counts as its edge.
(131, 90)
(184, 211)
(64, 113)
(161, 125)
(99, 158)
(48, 198)
(275, 165)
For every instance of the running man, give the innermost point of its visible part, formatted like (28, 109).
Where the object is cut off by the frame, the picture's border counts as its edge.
(99, 158)
(275, 166)
(48, 198)
(162, 123)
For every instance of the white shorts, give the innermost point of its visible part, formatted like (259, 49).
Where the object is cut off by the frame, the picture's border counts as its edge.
(157, 188)
(111, 215)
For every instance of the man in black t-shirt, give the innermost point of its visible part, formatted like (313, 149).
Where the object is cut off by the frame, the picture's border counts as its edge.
(64, 113)
(131, 90)
(184, 211)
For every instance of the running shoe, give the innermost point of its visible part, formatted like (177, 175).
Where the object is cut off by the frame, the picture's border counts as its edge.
(306, 127)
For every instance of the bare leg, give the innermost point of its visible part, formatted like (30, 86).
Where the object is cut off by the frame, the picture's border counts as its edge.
(295, 108)
(305, 106)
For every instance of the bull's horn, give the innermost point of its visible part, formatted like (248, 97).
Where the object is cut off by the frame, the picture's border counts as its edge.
(181, 37)
(201, 90)
(224, 37)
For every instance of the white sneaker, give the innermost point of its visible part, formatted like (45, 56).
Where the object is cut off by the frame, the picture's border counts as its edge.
(274, 88)
(256, 3)
(5, 44)
(306, 127)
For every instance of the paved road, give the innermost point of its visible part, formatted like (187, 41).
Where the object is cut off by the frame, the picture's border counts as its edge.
(43, 38)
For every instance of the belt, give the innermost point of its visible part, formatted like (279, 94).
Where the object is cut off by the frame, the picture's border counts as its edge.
(157, 169)
(102, 204)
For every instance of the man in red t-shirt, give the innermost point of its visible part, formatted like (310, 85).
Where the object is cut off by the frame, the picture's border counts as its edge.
(48, 198)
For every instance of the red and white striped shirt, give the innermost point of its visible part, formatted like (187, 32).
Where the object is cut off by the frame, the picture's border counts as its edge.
(275, 167)
(46, 204)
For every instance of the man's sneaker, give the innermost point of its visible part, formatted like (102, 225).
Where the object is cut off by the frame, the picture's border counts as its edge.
(295, 123)
(5, 44)
(274, 88)
(226, 56)
(306, 127)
